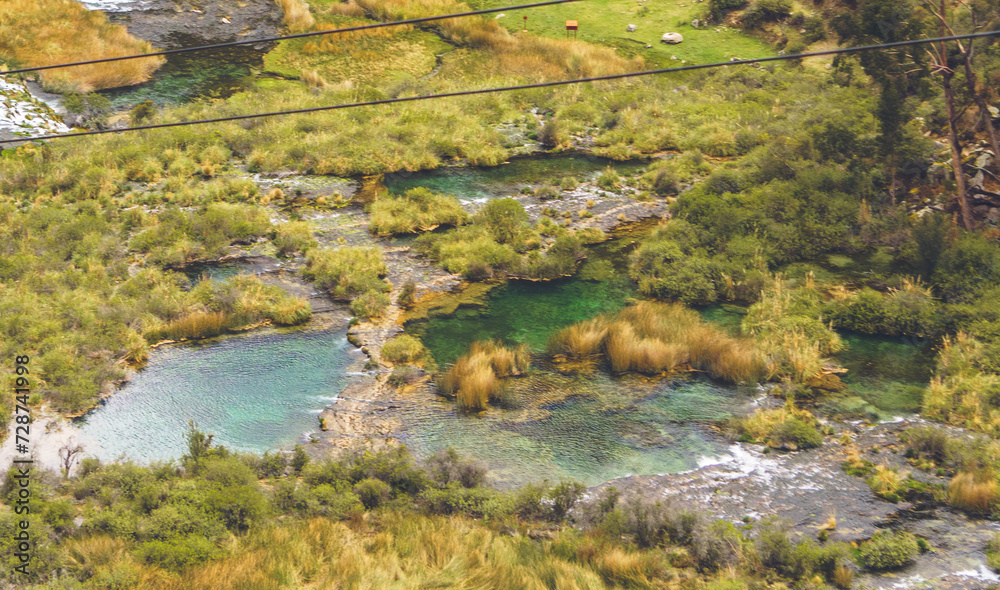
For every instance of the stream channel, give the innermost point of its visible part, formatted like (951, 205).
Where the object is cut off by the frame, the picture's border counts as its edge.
(263, 390)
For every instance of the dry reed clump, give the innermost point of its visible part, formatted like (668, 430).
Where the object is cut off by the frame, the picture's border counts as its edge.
(297, 15)
(653, 337)
(475, 378)
(47, 32)
(976, 492)
(193, 325)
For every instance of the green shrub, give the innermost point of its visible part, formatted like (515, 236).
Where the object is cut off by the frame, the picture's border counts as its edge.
(993, 553)
(417, 210)
(292, 237)
(886, 551)
(795, 433)
(348, 271)
(178, 554)
(370, 304)
(372, 492)
(403, 349)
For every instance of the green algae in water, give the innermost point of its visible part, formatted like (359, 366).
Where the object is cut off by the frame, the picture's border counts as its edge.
(218, 73)
(530, 311)
(473, 183)
(603, 428)
(254, 393)
(890, 373)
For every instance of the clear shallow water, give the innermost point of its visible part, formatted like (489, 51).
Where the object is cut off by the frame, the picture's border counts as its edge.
(530, 311)
(217, 73)
(472, 183)
(590, 429)
(885, 375)
(254, 392)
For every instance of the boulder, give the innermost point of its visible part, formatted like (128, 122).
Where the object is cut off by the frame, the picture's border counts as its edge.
(631, 28)
(672, 38)
(696, 23)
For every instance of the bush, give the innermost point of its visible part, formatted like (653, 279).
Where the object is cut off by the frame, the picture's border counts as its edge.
(447, 467)
(886, 551)
(403, 349)
(417, 210)
(348, 271)
(370, 304)
(372, 492)
(292, 237)
(796, 434)
(551, 134)
(178, 554)
(407, 294)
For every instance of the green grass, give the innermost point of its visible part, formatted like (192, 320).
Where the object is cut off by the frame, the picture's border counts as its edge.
(604, 22)
(385, 54)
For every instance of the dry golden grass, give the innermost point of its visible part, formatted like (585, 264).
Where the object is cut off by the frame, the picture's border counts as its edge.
(46, 32)
(194, 325)
(402, 551)
(886, 480)
(975, 492)
(475, 378)
(297, 15)
(652, 338)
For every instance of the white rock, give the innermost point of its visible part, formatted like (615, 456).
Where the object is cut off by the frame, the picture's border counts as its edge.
(672, 38)
(631, 28)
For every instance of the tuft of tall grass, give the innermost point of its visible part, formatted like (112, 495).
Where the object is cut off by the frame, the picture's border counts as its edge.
(417, 210)
(47, 32)
(476, 378)
(976, 492)
(653, 337)
(297, 16)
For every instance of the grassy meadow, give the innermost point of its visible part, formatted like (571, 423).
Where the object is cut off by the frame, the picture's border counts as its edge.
(604, 22)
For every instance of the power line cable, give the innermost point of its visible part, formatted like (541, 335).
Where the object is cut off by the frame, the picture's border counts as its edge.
(411, 21)
(734, 62)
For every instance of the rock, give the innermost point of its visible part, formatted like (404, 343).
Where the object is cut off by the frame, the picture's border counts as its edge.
(160, 23)
(696, 23)
(994, 112)
(672, 38)
(828, 66)
(993, 215)
(631, 28)
(984, 160)
(978, 180)
(648, 46)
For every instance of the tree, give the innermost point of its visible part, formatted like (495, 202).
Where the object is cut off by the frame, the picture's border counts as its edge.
(69, 454)
(198, 444)
(939, 64)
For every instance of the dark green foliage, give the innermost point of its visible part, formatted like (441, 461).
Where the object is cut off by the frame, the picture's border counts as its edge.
(406, 294)
(564, 496)
(447, 467)
(504, 219)
(143, 111)
(299, 459)
(966, 268)
(551, 134)
(888, 550)
(370, 304)
(796, 433)
(717, 8)
(372, 492)
(902, 312)
(762, 11)
(178, 553)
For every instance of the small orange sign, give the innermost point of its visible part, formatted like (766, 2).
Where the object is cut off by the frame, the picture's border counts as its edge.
(571, 25)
